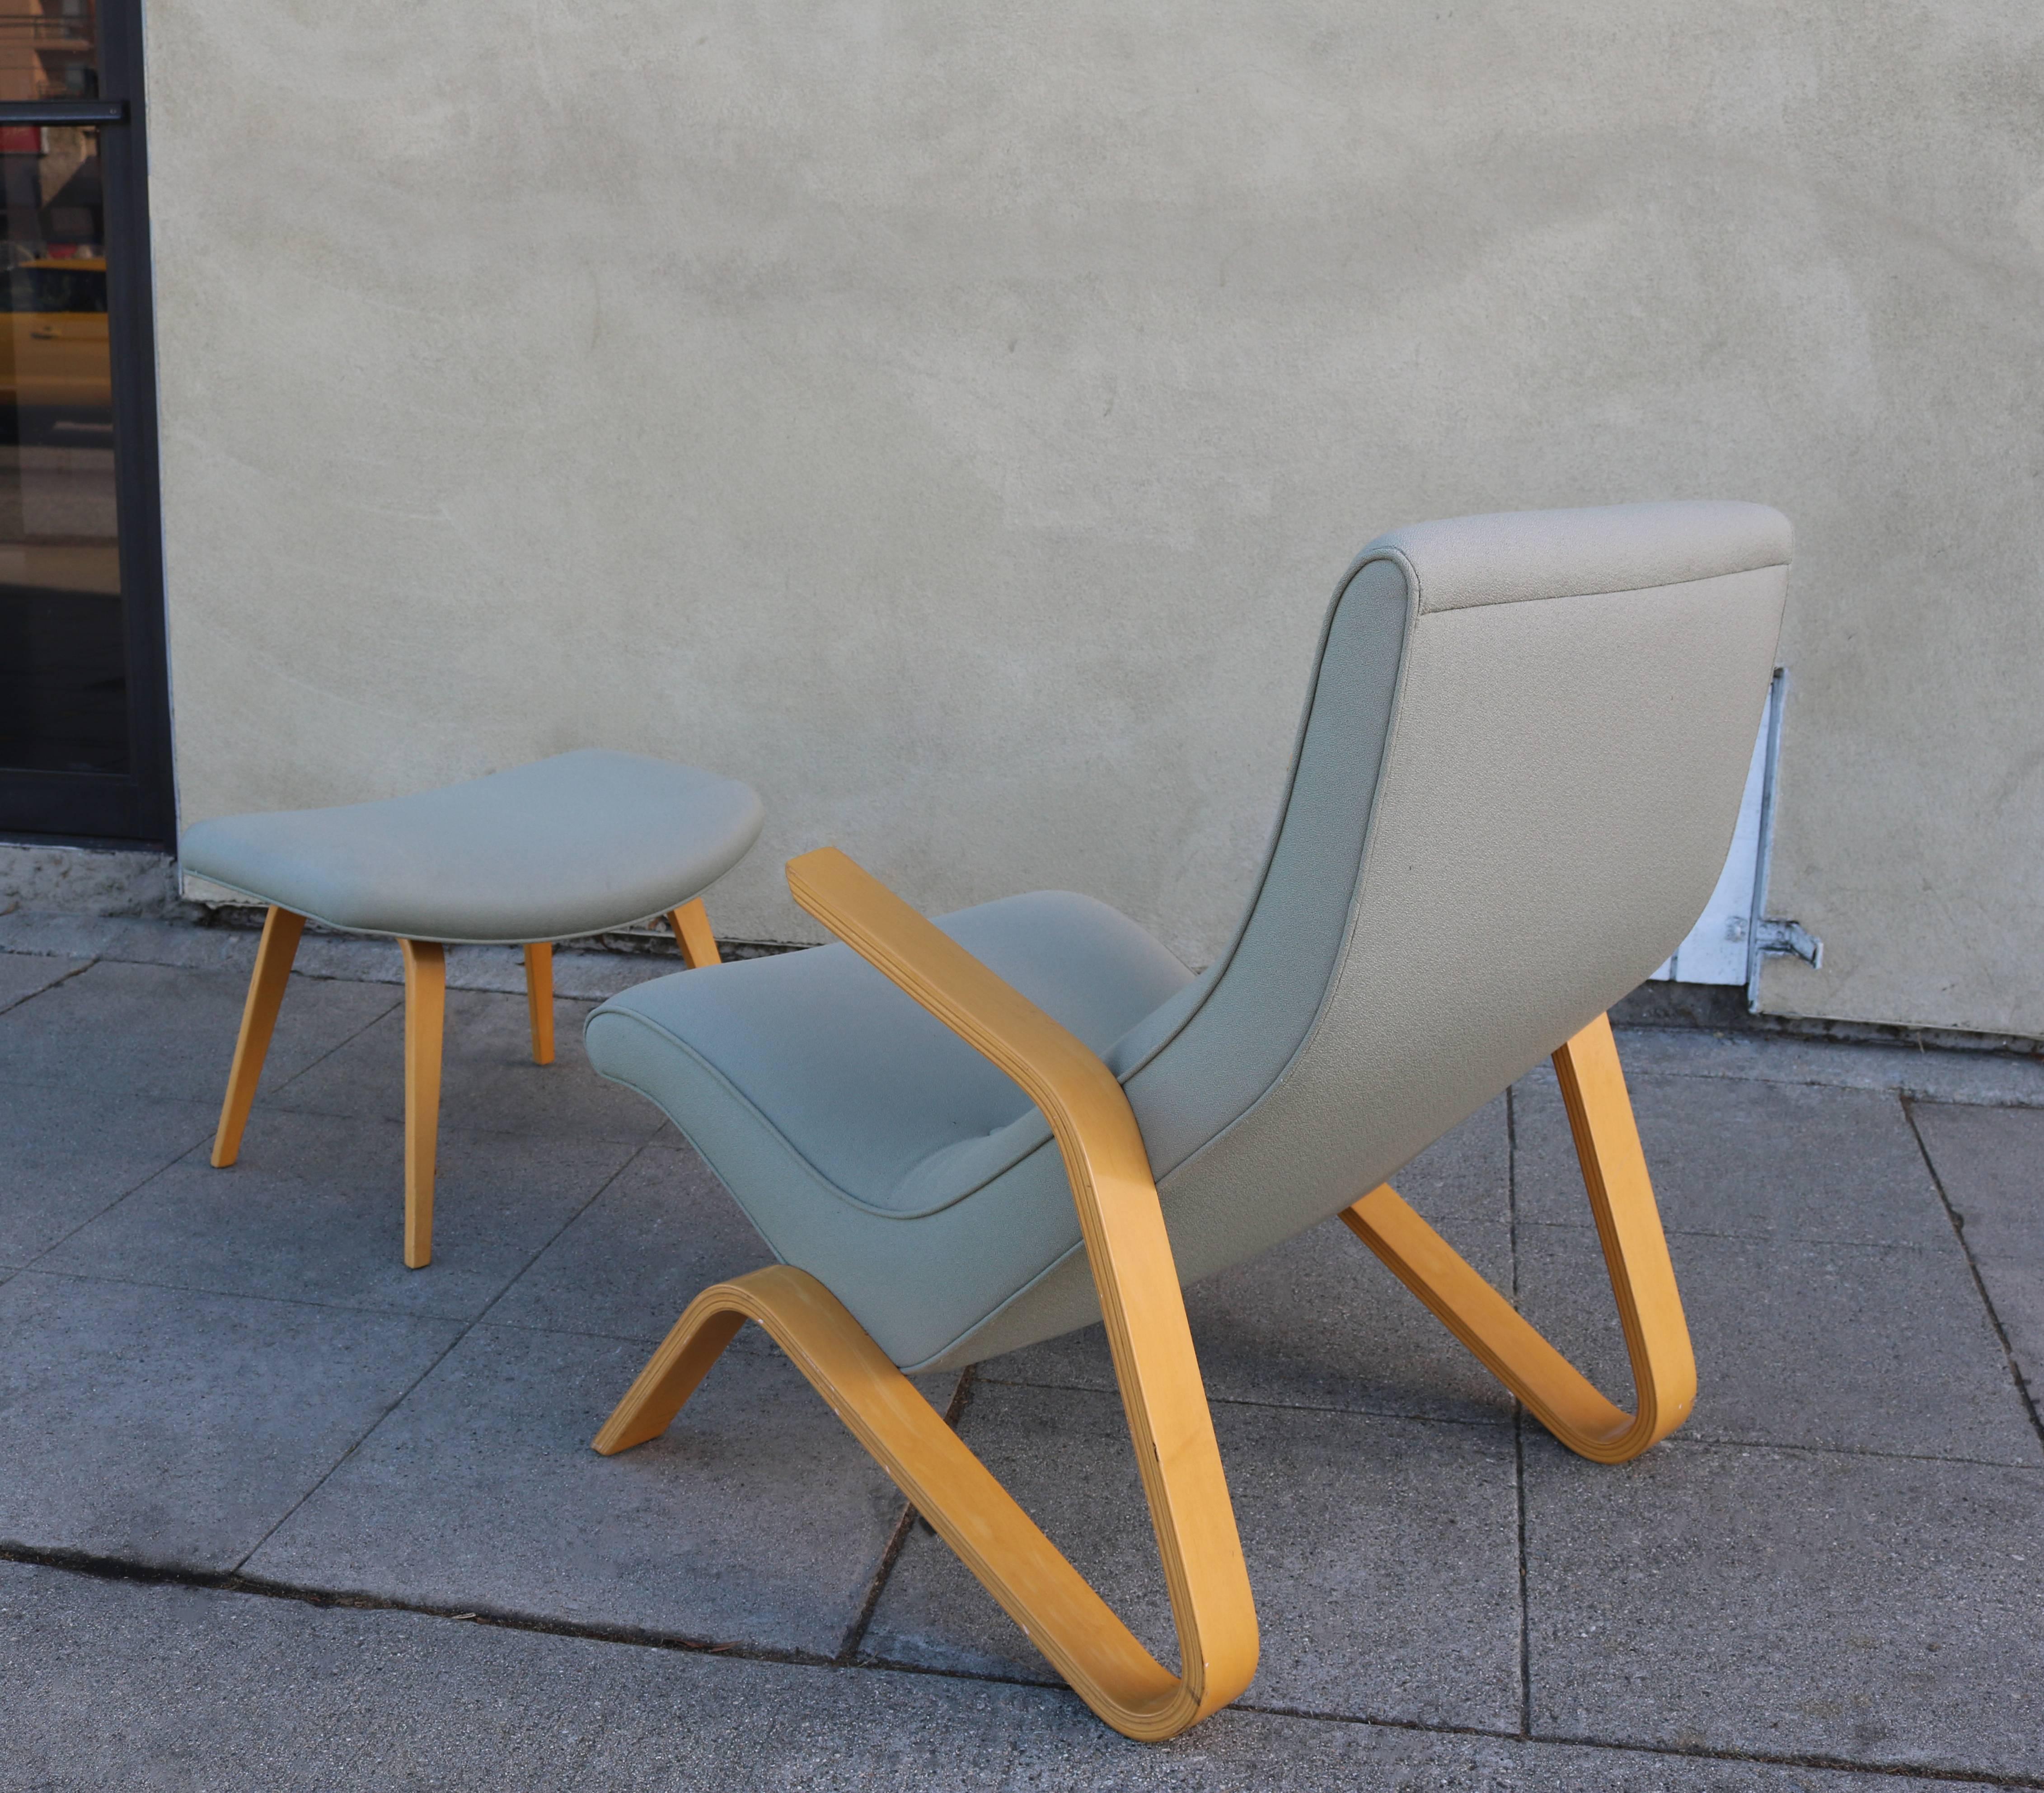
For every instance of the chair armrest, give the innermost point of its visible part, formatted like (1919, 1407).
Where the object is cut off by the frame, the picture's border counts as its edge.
(1062, 1074)
(1123, 1225)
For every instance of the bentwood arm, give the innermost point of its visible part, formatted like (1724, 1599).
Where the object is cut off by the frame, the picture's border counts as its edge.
(1130, 1255)
(1123, 1225)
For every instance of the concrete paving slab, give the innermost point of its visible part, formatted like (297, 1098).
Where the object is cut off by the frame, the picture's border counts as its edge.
(1990, 1163)
(67, 1153)
(1872, 1348)
(489, 1082)
(140, 941)
(161, 1426)
(586, 972)
(22, 976)
(756, 1520)
(156, 1030)
(1935, 1075)
(634, 1258)
(187, 1687)
(1872, 1610)
(597, 975)
(168, 1428)
(1319, 1322)
(1466, 1173)
(55, 933)
(1762, 1160)
(371, 958)
(1384, 1555)
(314, 1210)
(2017, 1293)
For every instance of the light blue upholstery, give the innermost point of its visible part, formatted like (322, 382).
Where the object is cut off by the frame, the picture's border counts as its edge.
(1520, 764)
(570, 845)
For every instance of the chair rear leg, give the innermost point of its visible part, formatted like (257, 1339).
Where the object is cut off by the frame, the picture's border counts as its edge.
(539, 1000)
(692, 933)
(278, 947)
(1636, 1253)
(425, 1013)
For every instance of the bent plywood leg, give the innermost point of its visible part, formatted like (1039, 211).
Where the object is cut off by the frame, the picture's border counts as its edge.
(1123, 1225)
(425, 1012)
(970, 1510)
(280, 945)
(539, 1000)
(1636, 1253)
(692, 933)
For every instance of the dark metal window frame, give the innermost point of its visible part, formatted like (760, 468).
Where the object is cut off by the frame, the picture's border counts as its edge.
(136, 808)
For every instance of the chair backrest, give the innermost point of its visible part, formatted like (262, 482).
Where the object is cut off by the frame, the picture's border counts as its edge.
(1518, 776)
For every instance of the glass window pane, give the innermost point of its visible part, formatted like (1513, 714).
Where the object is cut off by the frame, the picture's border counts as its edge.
(63, 687)
(49, 49)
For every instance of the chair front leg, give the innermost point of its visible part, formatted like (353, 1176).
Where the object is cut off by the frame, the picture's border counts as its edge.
(274, 954)
(691, 934)
(970, 1509)
(1122, 1223)
(425, 1013)
(1635, 1253)
(1143, 1309)
(539, 1000)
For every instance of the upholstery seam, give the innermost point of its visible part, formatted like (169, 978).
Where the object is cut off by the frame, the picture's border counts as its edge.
(1345, 951)
(438, 940)
(793, 1150)
(1602, 591)
(1291, 785)
(1348, 930)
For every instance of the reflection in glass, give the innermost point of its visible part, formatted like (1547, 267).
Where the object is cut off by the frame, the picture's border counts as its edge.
(49, 50)
(63, 660)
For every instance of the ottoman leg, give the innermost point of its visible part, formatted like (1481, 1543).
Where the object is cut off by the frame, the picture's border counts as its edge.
(691, 925)
(426, 1012)
(539, 1000)
(281, 929)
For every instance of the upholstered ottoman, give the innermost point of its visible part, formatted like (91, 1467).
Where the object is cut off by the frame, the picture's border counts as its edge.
(568, 846)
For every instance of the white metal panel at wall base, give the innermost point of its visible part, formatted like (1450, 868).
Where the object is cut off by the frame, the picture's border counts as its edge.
(1715, 950)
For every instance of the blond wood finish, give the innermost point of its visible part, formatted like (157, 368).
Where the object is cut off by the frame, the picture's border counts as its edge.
(425, 1012)
(1163, 1395)
(274, 954)
(1636, 1253)
(540, 999)
(692, 933)
(965, 1506)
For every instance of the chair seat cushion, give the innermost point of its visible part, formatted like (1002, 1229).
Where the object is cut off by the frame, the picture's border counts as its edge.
(866, 1141)
(570, 845)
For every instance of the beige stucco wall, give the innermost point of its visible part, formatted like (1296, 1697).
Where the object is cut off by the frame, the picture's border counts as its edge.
(952, 419)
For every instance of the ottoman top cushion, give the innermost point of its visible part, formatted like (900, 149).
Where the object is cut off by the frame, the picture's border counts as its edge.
(566, 846)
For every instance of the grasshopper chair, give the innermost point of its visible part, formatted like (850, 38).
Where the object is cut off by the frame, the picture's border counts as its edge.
(1520, 768)
(576, 844)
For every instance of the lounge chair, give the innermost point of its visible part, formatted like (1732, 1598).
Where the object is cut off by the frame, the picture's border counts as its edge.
(1518, 774)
